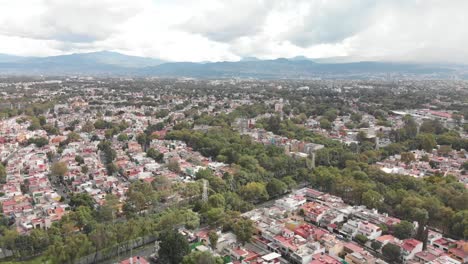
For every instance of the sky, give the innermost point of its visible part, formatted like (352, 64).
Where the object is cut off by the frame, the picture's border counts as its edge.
(228, 30)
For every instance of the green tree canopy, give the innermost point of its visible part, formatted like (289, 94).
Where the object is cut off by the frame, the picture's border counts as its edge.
(198, 257)
(403, 230)
(173, 247)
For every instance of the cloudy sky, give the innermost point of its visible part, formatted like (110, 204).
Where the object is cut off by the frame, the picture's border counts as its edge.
(215, 30)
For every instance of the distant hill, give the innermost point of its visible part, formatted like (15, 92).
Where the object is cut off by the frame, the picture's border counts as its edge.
(287, 68)
(100, 57)
(4, 58)
(113, 63)
(102, 62)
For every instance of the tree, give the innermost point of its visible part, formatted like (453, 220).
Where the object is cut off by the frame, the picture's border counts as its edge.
(178, 217)
(410, 128)
(82, 216)
(213, 237)
(217, 201)
(109, 210)
(40, 240)
(79, 159)
(276, 187)
(109, 133)
(87, 127)
(376, 245)
(361, 136)
(140, 196)
(372, 199)
(2, 173)
(154, 154)
(39, 141)
(391, 252)
(35, 124)
(214, 216)
(100, 124)
(59, 169)
(458, 119)
(361, 239)
(173, 165)
(161, 183)
(81, 199)
(243, 229)
(325, 124)
(73, 137)
(122, 137)
(111, 168)
(407, 157)
(198, 257)
(142, 139)
(403, 230)
(356, 117)
(460, 224)
(84, 169)
(426, 142)
(162, 113)
(70, 249)
(290, 182)
(464, 167)
(173, 247)
(254, 192)
(331, 114)
(7, 240)
(102, 237)
(444, 150)
(24, 246)
(42, 120)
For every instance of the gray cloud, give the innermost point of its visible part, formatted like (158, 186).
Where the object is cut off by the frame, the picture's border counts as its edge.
(331, 22)
(73, 21)
(403, 30)
(233, 19)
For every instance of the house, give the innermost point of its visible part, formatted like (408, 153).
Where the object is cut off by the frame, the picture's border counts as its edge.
(369, 230)
(424, 257)
(383, 240)
(291, 203)
(409, 248)
(243, 254)
(304, 253)
(363, 257)
(351, 248)
(444, 259)
(331, 219)
(349, 229)
(238, 253)
(314, 212)
(433, 236)
(459, 253)
(333, 245)
(443, 243)
(323, 258)
(309, 231)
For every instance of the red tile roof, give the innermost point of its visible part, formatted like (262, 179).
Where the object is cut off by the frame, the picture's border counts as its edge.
(410, 244)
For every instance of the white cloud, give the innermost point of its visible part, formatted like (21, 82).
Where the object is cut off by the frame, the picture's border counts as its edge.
(185, 30)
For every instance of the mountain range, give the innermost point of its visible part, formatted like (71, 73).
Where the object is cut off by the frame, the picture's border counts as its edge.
(116, 64)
